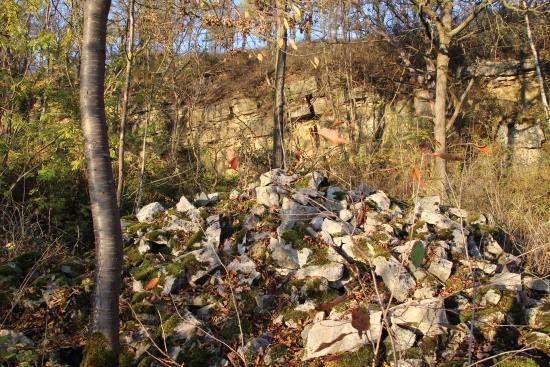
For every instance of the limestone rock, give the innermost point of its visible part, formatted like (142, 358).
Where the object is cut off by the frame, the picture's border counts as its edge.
(395, 276)
(148, 213)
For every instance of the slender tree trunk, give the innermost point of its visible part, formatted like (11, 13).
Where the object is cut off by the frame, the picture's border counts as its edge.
(440, 107)
(125, 98)
(543, 97)
(278, 113)
(105, 214)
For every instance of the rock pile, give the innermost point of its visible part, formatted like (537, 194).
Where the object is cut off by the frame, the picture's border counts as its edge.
(326, 242)
(292, 268)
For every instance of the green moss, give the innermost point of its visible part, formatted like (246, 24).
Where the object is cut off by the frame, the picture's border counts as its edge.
(132, 254)
(195, 238)
(320, 257)
(375, 249)
(473, 217)
(6, 270)
(293, 237)
(302, 182)
(239, 237)
(133, 229)
(542, 344)
(380, 237)
(248, 300)
(231, 329)
(174, 269)
(144, 272)
(147, 362)
(157, 235)
(5, 299)
(360, 358)
(203, 213)
(340, 195)
(196, 357)
(417, 232)
(310, 289)
(97, 352)
(276, 353)
(126, 358)
(192, 265)
(517, 361)
(27, 260)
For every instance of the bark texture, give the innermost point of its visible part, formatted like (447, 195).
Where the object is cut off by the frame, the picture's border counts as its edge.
(105, 214)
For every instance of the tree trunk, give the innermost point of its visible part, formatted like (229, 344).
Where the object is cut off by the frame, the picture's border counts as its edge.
(125, 98)
(278, 113)
(440, 107)
(105, 214)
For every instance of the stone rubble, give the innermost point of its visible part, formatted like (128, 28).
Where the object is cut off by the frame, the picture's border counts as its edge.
(321, 237)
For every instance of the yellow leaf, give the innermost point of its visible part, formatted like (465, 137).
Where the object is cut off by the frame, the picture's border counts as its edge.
(246, 14)
(292, 44)
(280, 42)
(285, 21)
(297, 13)
(260, 57)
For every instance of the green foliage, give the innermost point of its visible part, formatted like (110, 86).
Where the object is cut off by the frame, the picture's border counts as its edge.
(417, 253)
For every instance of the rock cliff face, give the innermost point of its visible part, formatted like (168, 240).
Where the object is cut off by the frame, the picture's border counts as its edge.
(246, 124)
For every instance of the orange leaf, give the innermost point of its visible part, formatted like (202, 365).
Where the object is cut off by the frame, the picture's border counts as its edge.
(483, 148)
(330, 304)
(151, 283)
(332, 136)
(233, 163)
(448, 156)
(416, 176)
(360, 320)
(298, 155)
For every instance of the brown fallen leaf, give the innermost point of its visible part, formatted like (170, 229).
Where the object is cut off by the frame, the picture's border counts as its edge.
(330, 304)
(417, 177)
(447, 156)
(298, 155)
(151, 283)
(233, 163)
(360, 320)
(332, 136)
(483, 148)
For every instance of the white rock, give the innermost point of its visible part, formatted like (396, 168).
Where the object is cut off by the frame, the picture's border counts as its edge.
(381, 200)
(492, 297)
(441, 268)
(332, 272)
(537, 284)
(509, 281)
(301, 198)
(395, 276)
(426, 314)
(403, 339)
(245, 268)
(345, 215)
(317, 223)
(327, 331)
(148, 213)
(185, 206)
(304, 256)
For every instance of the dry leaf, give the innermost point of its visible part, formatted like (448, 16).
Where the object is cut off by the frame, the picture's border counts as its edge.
(483, 148)
(447, 156)
(297, 13)
(151, 283)
(260, 57)
(292, 44)
(233, 163)
(332, 136)
(298, 155)
(330, 304)
(360, 320)
(285, 21)
(280, 42)
(417, 177)
(246, 14)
